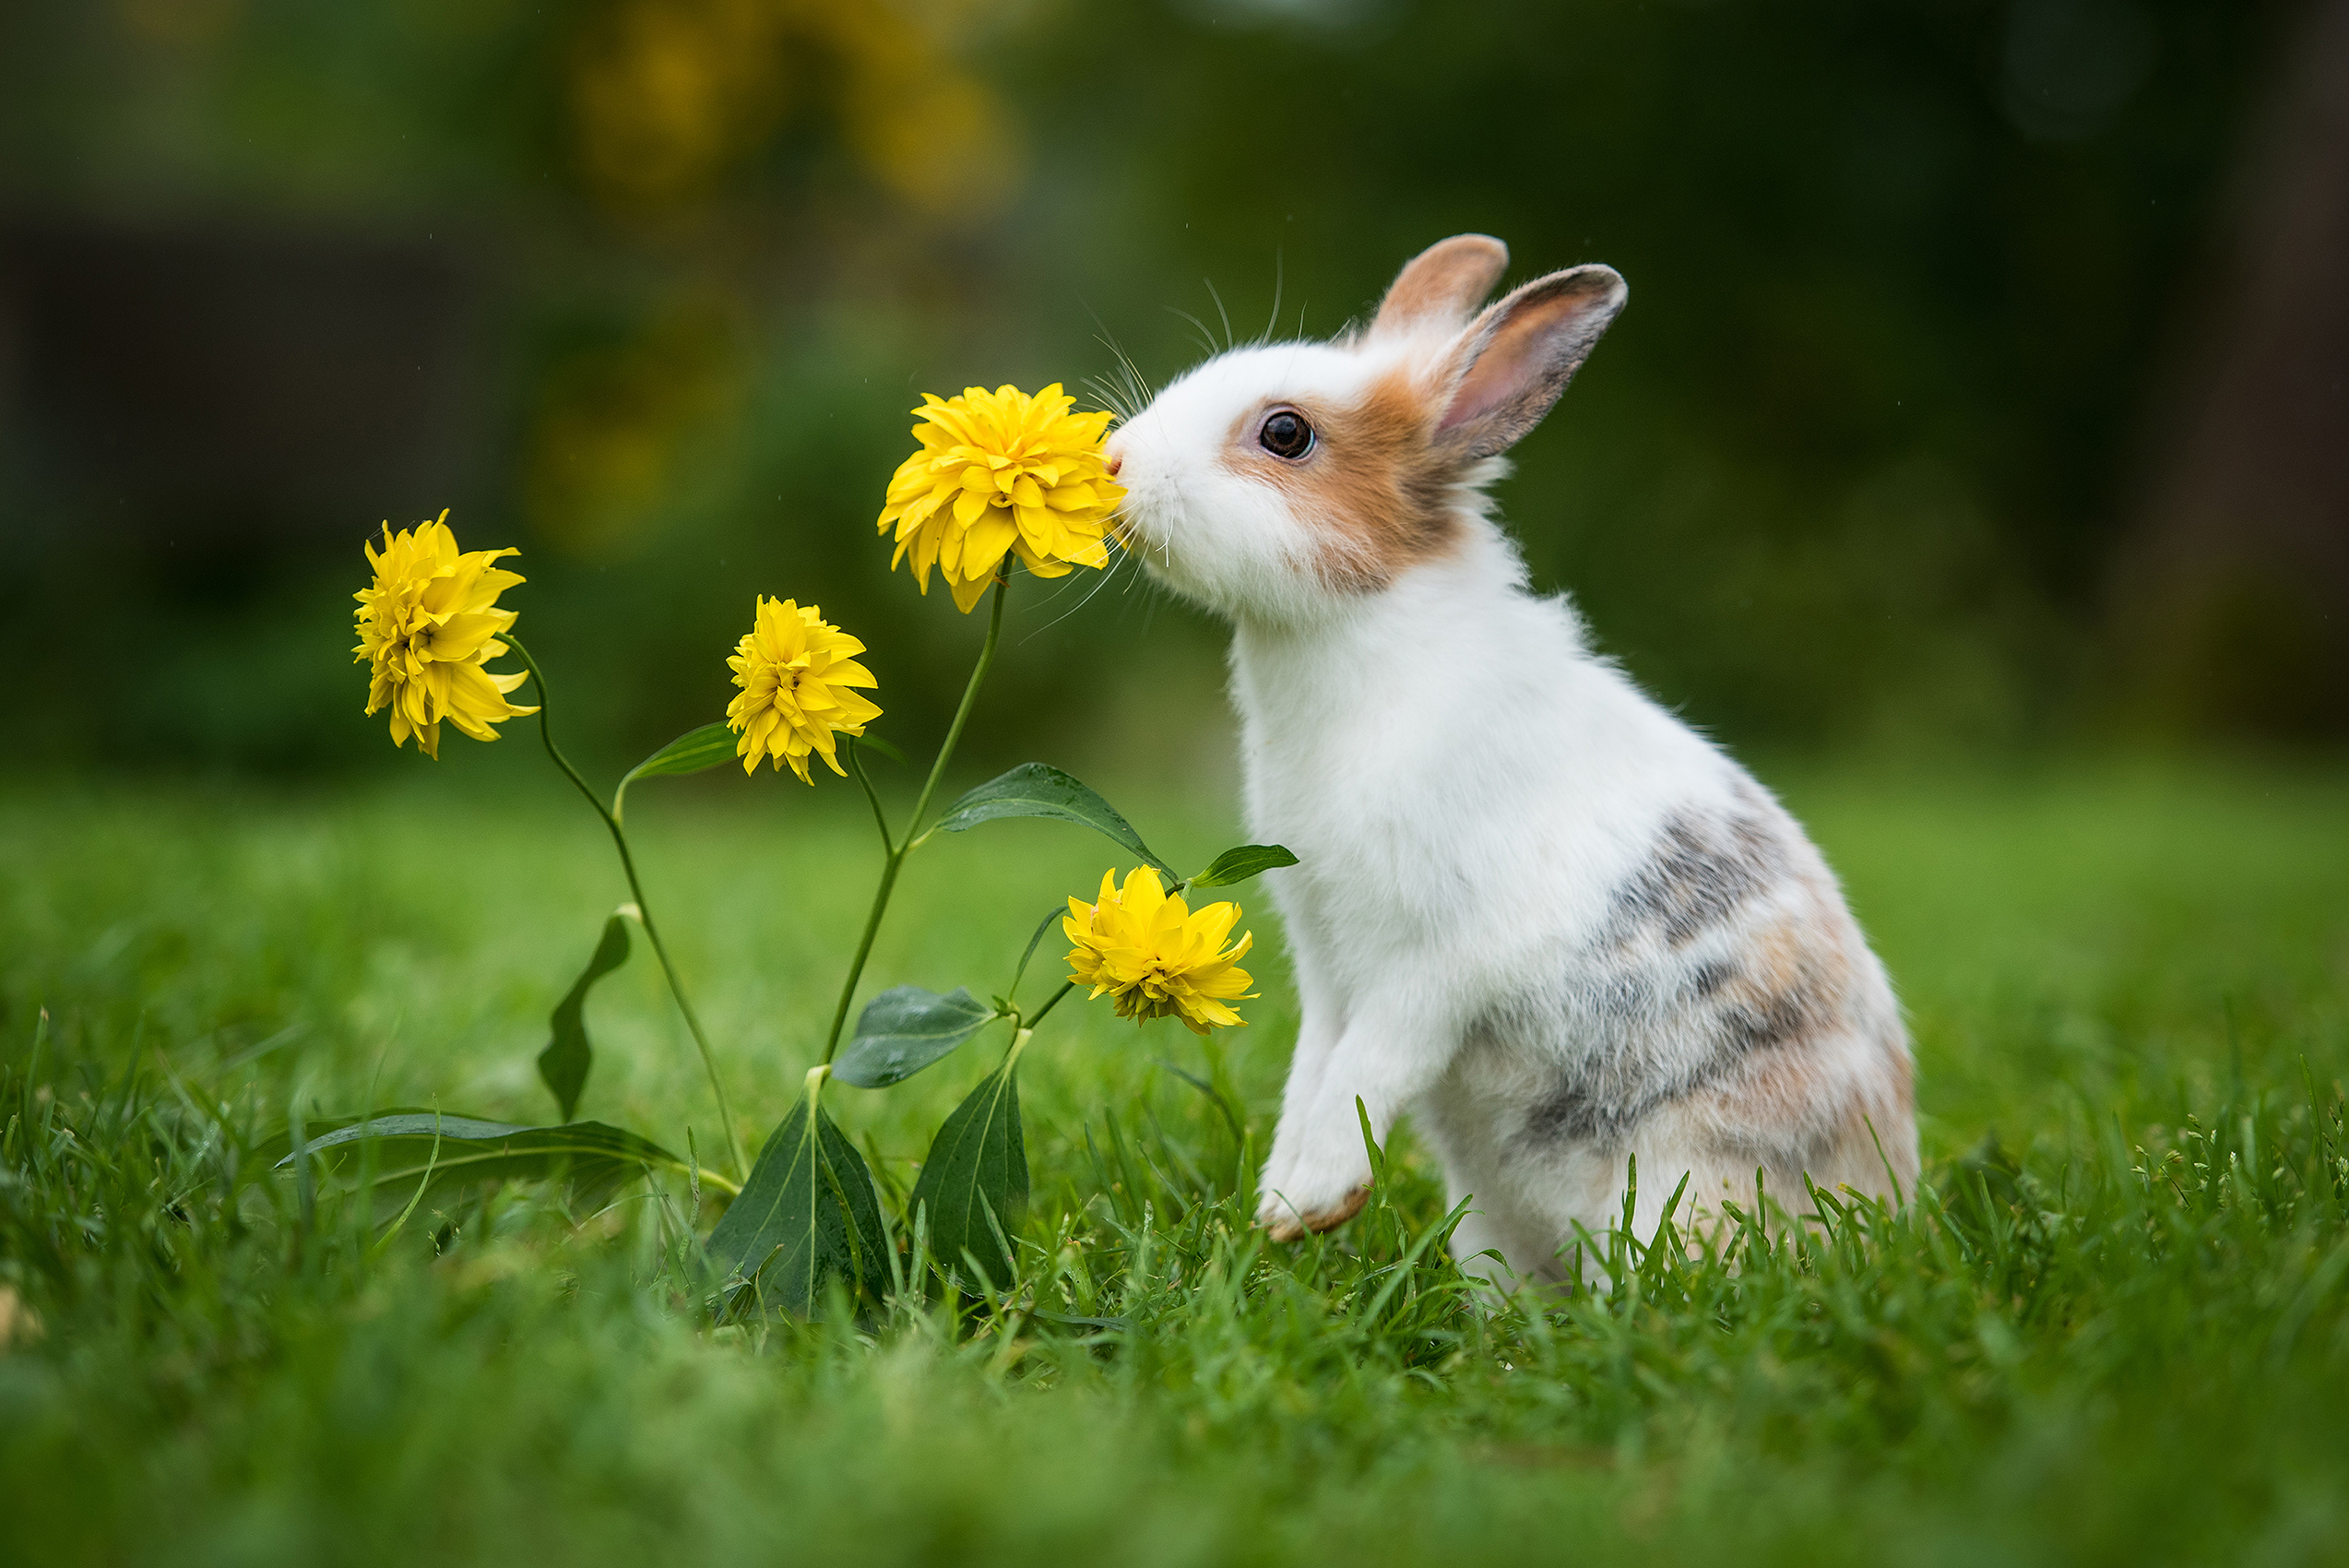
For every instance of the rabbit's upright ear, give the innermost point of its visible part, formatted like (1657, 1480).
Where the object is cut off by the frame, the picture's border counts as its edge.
(1442, 286)
(1514, 360)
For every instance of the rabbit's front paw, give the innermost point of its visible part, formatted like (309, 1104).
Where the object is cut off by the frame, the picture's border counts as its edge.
(1289, 1223)
(1297, 1197)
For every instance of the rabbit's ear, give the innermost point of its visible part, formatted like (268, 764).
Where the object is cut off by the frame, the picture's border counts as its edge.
(1441, 285)
(1514, 361)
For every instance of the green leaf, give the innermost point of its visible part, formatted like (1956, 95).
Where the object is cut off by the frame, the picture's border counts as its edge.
(864, 1262)
(977, 1168)
(565, 1063)
(1235, 866)
(905, 1029)
(1034, 789)
(276, 1148)
(1053, 917)
(807, 1213)
(440, 1151)
(696, 751)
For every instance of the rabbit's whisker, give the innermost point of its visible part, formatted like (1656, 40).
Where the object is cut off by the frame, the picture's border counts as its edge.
(1207, 339)
(1138, 391)
(1228, 344)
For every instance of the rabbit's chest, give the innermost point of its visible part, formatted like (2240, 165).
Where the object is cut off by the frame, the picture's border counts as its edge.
(1469, 825)
(1417, 867)
(1375, 827)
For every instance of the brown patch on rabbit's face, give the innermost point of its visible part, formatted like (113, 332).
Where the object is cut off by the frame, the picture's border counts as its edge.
(1375, 493)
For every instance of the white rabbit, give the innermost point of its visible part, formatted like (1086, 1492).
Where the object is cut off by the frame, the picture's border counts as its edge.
(1533, 910)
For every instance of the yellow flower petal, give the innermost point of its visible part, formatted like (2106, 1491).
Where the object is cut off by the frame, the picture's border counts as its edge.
(428, 625)
(1024, 474)
(1157, 959)
(796, 673)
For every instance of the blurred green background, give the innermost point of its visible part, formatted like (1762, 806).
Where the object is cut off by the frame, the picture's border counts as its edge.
(1973, 452)
(1980, 392)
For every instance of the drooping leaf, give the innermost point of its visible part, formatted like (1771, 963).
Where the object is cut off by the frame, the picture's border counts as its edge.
(807, 1213)
(905, 1029)
(273, 1148)
(440, 1152)
(696, 751)
(1234, 866)
(563, 1063)
(1034, 789)
(977, 1168)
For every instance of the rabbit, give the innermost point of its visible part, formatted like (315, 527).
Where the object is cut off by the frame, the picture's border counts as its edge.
(1533, 910)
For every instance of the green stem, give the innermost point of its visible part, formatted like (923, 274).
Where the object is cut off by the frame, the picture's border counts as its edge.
(644, 910)
(1055, 1002)
(864, 948)
(893, 856)
(962, 714)
(871, 796)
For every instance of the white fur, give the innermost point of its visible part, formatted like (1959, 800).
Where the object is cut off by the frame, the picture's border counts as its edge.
(1467, 788)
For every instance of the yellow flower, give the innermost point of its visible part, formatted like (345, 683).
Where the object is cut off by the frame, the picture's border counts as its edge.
(795, 669)
(429, 626)
(1001, 472)
(1157, 956)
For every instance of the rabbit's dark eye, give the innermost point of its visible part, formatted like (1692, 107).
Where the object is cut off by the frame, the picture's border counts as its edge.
(1286, 434)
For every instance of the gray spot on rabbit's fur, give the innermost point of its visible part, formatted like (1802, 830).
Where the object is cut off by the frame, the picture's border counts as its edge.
(1702, 870)
(1711, 977)
(1601, 1099)
(1760, 1017)
(1571, 1115)
(1786, 990)
(1603, 1104)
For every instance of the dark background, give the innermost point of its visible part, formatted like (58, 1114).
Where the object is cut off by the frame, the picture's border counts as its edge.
(1982, 389)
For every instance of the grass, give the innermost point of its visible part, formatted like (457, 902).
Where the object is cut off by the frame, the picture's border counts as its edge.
(2114, 1327)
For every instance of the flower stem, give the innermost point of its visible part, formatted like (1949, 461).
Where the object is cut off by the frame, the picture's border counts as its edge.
(871, 796)
(864, 947)
(1037, 1018)
(893, 856)
(644, 910)
(962, 714)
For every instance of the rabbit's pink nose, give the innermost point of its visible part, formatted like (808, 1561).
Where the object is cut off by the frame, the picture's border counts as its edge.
(1117, 461)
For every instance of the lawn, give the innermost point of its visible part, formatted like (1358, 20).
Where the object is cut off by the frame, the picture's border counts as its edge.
(2113, 1328)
